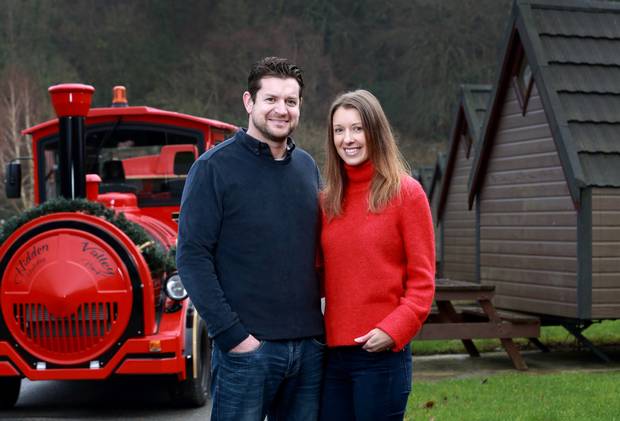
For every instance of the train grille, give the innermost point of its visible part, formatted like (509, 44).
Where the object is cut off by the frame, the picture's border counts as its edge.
(80, 331)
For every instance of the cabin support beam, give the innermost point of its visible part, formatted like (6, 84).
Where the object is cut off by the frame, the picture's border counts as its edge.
(477, 210)
(584, 255)
(576, 330)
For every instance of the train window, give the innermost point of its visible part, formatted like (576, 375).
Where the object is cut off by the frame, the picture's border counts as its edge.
(51, 172)
(148, 162)
(522, 78)
(219, 135)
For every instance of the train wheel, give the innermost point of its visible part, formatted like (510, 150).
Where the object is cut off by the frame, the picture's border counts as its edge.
(194, 390)
(9, 391)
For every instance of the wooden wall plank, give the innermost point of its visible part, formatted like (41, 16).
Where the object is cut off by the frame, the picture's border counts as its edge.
(534, 204)
(526, 191)
(463, 241)
(535, 306)
(609, 249)
(528, 276)
(459, 232)
(606, 296)
(510, 121)
(523, 133)
(606, 311)
(458, 275)
(529, 233)
(533, 291)
(532, 146)
(606, 203)
(526, 176)
(537, 248)
(604, 233)
(460, 251)
(606, 280)
(458, 223)
(606, 265)
(560, 264)
(606, 218)
(520, 162)
(559, 218)
(606, 192)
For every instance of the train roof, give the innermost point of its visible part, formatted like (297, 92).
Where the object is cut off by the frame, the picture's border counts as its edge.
(135, 112)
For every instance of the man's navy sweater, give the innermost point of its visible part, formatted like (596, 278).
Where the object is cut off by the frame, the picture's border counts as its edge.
(247, 242)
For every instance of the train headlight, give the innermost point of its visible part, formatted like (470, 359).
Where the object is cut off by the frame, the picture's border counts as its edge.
(174, 288)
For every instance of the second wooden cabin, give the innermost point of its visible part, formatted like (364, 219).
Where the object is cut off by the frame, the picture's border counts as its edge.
(545, 179)
(456, 223)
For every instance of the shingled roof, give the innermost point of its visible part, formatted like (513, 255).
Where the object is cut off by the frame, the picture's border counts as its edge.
(573, 49)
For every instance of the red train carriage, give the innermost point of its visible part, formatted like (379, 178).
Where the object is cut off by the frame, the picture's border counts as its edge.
(80, 294)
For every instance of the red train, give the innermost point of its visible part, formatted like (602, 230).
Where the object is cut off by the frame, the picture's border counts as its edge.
(84, 289)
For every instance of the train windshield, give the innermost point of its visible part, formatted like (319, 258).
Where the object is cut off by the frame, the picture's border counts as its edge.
(150, 162)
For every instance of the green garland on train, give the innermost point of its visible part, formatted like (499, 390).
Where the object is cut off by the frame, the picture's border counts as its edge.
(157, 260)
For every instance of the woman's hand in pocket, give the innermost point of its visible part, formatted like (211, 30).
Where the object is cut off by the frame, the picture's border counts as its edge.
(375, 341)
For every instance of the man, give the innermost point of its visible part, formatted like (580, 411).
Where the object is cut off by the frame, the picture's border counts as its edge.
(246, 255)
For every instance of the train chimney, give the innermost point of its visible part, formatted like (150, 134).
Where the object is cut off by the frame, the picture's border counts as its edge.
(71, 102)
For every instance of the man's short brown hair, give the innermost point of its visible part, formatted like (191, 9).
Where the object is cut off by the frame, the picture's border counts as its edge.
(276, 67)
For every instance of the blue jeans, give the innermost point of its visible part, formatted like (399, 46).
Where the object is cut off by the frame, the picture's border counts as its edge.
(360, 385)
(280, 379)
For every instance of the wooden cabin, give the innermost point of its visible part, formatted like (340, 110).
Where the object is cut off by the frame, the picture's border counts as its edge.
(545, 181)
(456, 223)
(435, 183)
(433, 199)
(425, 176)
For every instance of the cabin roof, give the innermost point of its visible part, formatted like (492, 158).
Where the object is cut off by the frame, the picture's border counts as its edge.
(573, 49)
(474, 100)
(471, 110)
(423, 175)
(438, 171)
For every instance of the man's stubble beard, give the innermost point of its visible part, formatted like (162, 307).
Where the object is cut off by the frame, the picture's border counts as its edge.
(264, 130)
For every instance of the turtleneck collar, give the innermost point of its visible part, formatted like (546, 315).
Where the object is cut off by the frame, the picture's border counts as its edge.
(360, 174)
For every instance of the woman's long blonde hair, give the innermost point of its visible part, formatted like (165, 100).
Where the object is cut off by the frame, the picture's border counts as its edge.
(382, 152)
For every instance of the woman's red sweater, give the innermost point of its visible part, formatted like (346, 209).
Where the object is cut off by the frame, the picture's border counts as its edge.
(379, 267)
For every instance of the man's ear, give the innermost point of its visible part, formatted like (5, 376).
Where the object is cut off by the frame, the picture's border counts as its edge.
(247, 102)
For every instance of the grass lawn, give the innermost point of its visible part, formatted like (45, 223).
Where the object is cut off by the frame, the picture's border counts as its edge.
(604, 333)
(518, 396)
(521, 396)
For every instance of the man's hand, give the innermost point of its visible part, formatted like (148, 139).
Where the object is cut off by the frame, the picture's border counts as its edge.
(249, 344)
(375, 341)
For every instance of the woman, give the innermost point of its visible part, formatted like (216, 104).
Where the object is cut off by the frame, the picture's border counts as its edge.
(379, 262)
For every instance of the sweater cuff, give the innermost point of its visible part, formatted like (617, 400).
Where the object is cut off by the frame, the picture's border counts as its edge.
(231, 337)
(401, 333)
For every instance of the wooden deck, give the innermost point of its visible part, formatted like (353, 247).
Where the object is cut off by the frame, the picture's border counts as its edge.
(477, 319)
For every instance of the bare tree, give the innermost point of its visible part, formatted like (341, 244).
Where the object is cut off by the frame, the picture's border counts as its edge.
(19, 104)
(18, 109)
